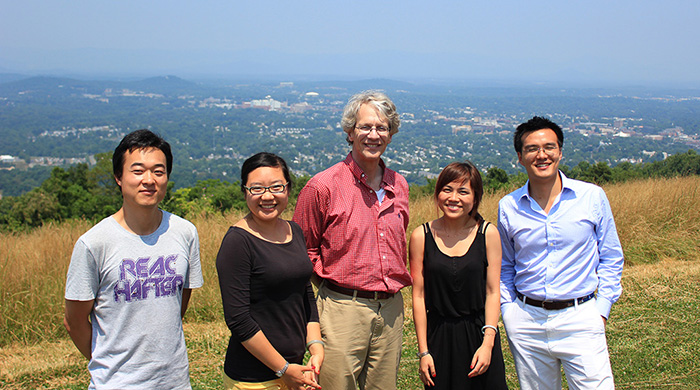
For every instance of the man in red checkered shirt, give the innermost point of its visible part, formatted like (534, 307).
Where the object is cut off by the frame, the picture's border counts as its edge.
(354, 216)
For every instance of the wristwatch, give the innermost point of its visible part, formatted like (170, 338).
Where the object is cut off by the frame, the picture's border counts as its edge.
(281, 372)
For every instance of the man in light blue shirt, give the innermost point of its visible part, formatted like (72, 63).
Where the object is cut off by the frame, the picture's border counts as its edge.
(561, 268)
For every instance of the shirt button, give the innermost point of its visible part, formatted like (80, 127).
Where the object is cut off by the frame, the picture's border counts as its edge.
(370, 191)
(381, 234)
(384, 257)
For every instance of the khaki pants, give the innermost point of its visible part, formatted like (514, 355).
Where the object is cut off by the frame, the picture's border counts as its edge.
(363, 341)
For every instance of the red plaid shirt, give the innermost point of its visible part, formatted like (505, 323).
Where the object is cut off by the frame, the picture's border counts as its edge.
(352, 239)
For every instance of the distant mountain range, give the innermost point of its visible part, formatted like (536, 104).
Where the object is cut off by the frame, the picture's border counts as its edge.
(269, 64)
(15, 83)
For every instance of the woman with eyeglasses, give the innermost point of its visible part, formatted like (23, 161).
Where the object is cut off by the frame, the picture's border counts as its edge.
(456, 267)
(264, 275)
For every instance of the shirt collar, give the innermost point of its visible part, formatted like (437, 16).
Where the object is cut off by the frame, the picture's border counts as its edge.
(566, 185)
(387, 178)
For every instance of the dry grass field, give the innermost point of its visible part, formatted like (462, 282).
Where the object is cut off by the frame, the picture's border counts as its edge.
(654, 330)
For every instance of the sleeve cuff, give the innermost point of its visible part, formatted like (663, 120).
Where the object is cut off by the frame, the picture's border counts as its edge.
(603, 306)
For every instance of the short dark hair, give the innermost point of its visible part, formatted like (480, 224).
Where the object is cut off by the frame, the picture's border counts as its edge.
(534, 124)
(465, 171)
(264, 159)
(140, 139)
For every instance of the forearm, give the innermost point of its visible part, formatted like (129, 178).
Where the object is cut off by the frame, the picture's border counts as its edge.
(81, 334)
(260, 347)
(77, 323)
(186, 294)
(313, 331)
(492, 311)
(420, 321)
(316, 348)
(313, 335)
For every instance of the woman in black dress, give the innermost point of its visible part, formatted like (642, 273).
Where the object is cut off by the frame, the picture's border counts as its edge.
(264, 273)
(456, 266)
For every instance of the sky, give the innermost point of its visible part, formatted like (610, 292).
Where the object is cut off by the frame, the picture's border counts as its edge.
(619, 41)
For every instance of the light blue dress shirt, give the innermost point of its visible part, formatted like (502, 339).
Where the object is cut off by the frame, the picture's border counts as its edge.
(569, 253)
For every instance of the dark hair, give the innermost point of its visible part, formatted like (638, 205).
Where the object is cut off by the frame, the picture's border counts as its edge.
(140, 139)
(264, 159)
(534, 124)
(465, 171)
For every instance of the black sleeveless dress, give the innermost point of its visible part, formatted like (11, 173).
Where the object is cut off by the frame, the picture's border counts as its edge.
(455, 294)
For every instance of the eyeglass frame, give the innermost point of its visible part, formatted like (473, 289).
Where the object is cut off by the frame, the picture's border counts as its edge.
(266, 189)
(535, 150)
(368, 129)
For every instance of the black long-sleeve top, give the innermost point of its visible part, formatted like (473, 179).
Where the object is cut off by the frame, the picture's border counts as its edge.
(264, 286)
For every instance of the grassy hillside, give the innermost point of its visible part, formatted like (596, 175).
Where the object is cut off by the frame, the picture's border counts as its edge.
(654, 330)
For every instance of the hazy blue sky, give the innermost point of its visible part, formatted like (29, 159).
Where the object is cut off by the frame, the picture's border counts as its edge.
(622, 41)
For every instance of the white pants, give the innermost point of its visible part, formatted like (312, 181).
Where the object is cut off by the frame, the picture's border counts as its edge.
(542, 341)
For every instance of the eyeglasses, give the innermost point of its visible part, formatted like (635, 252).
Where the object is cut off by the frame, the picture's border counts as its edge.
(534, 150)
(274, 189)
(368, 129)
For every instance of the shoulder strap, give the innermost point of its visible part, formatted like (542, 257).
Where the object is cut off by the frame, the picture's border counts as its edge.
(426, 228)
(484, 225)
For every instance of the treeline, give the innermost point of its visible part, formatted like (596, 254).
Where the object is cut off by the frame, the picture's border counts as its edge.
(681, 164)
(91, 193)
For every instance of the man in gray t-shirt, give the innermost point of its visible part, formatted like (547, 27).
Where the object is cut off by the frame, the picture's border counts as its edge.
(130, 278)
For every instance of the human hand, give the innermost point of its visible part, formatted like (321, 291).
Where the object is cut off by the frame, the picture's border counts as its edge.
(297, 378)
(315, 362)
(426, 370)
(480, 361)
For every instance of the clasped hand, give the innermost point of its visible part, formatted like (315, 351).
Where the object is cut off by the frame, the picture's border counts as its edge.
(300, 377)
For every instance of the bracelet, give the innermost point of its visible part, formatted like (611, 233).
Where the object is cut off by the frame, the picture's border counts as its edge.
(315, 342)
(281, 372)
(421, 354)
(483, 328)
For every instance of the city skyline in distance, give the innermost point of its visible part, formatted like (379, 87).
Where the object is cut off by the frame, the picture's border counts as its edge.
(596, 42)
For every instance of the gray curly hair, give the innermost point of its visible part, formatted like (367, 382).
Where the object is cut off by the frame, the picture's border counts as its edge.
(379, 101)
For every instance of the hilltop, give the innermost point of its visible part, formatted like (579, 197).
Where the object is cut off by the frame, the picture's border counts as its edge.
(656, 320)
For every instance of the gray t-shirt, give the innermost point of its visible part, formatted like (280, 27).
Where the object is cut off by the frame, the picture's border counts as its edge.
(136, 282)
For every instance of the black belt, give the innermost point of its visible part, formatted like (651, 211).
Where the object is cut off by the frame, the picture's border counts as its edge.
(555, 305)
(358, 293)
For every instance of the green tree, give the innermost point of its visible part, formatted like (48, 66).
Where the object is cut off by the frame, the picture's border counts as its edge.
(600, 173)
(33, 209)
(496, 178)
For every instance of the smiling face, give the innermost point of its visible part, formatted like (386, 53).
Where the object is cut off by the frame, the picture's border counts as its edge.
(268, 206)
(540, 155)
(144, 179)
(456, 199)
(368, 147)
